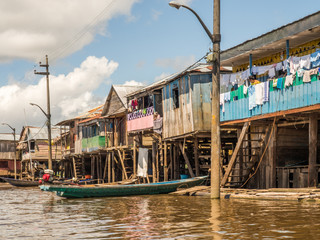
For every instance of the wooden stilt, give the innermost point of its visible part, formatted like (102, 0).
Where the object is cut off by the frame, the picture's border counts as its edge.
(157, 161)
(74, 167)
(273, 158)
(196, 156)
(113, 167)
(187, 160)
(122, 164)
(105, 168)
(234, 155)
(93, 175)
(313, 140)
(109, 167)
(134, 157)
(240, 167)
(154, 176)
(165, 164)
(176, 162)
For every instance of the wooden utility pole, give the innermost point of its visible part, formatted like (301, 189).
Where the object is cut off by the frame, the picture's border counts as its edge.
(215, 124)
(48, 114)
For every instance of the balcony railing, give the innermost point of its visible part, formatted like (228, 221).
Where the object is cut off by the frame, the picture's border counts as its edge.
(298, 95)
(140, 119)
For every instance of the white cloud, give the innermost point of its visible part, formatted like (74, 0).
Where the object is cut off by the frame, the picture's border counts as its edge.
(33, 28)
(177, 64)
(70, 94)
(133, 83)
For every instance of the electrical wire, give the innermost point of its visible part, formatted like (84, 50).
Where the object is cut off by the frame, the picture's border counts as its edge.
(62, 49)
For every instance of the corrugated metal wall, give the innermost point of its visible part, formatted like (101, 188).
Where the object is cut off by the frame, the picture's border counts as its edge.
(299, 95)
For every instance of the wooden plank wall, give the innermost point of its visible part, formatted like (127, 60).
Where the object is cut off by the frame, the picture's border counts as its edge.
(177, 121)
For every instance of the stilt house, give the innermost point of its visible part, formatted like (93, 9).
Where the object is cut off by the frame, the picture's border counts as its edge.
(7, 155)
(34, 149)
(274, 116)
(118, 162)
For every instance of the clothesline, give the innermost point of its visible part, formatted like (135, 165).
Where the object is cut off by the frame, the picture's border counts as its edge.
(291, 65)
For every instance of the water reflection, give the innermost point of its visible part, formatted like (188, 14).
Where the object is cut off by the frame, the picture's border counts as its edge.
(214, 220)
(30, 213)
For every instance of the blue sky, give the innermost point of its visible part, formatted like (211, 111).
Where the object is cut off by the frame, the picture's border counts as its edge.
(113, 42)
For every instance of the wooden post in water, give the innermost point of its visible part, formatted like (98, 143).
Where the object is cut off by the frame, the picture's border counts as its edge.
(313, 140)
(113, 166)
(154, 153)
(109, 167)
(165, 164)
(134, 157)
(196, 156)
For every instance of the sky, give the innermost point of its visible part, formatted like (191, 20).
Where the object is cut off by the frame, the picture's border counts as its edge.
(94, 44)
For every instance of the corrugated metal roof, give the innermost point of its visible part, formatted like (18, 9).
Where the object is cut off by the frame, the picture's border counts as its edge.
(91, 113)
(124, 90)
(36, 133)
(8, 137)
(197, 67)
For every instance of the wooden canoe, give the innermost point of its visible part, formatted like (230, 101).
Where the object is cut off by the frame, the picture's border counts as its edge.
(122, 190)
(21, 182)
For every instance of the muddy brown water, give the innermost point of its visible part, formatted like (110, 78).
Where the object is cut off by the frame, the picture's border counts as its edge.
(32, 214)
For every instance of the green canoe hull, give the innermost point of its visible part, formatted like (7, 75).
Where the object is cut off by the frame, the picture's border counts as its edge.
(122, 190)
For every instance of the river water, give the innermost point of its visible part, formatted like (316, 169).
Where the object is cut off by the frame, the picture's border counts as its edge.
(33, 214)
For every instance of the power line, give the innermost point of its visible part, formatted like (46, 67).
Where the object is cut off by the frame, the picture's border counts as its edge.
(62, 49)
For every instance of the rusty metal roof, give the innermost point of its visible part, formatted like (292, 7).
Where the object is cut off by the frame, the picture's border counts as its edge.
(91, 113)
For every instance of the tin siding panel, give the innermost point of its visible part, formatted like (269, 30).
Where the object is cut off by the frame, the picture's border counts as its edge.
(301, 95)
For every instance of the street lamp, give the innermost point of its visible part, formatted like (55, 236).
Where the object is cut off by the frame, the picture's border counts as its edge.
(15, 149)
(215, 106)
(49, 134)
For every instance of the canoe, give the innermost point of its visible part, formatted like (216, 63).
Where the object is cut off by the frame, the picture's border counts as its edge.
(72, 191)
(21, 182)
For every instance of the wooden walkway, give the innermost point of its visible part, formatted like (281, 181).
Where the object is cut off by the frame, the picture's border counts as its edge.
(275, 194)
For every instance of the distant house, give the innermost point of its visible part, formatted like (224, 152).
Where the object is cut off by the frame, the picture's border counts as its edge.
(77, 142)
(7, 152)
(33, 147)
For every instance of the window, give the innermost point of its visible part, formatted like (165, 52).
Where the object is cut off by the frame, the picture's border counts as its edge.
(32, 146)
(175, 97)
(4, 164)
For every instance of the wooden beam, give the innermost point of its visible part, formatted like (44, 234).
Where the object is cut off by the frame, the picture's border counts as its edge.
(187, 160)
(196, 156)
(113, 167)
(313, 140)
(175, 162)
(105, 168)
(157, 160)
(234, 155)
(154, 153)
(165, 164)
(74, 167)
(109, 167)
(293, 123)
(122, 164)
(134, 157)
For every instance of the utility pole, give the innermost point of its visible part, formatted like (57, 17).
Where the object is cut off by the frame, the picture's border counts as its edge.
(215, 95)
(48, 115)
(215, 107)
